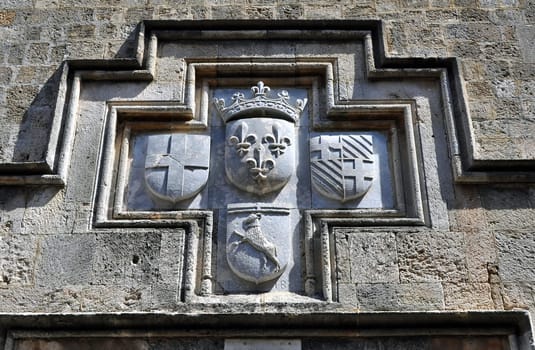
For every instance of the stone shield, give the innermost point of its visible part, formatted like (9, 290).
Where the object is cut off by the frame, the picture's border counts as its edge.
(260, 154)
(342, 166)
(258, 244)
(176, 165)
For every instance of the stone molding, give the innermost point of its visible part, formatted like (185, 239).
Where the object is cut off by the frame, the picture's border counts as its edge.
(343, 325)
(467, 164)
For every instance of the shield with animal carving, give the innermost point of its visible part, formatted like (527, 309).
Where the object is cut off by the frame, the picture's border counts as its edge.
(176, 165)
(258, 244)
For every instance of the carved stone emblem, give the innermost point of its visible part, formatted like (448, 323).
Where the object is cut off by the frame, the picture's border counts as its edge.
(342, 166)
(258, 245)
(176, 166)
(259, 155)
(260, 139)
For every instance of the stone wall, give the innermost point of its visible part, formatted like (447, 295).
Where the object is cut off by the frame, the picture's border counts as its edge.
(484, 260)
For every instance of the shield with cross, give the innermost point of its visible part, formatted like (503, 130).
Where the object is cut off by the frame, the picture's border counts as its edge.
(342, 166)
(176, 165)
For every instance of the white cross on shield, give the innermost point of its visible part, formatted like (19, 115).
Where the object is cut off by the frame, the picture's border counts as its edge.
(176, 165)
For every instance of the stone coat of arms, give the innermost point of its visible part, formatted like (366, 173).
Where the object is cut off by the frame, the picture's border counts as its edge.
(260, 144)
(176, 165)
(257, 244)
(342, 166)
(260, 139)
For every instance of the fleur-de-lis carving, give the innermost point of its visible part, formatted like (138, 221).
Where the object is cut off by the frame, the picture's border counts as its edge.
(284, 95)
(260, 89)
(238, 95)
(241, 140)
(277, 143)
(258, 166)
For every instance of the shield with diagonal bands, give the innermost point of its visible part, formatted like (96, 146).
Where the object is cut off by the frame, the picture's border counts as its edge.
(342, 166)
(176, 165)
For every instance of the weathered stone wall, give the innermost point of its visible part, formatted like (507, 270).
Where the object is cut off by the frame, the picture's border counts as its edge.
(485, 261)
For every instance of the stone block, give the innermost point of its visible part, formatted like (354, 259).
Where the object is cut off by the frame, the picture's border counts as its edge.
(501, 49)
(497, 148)
(343, 256)
(387, 6)
(17, 4)
(478, 90)
(92, 298)
(358, 11)
(431, 256)
(467, 296)
(507, 207)
(16, 54)
(12, 205)
(7, 17)
(46, 212)
(323, 11)
(347, 294)
(17, 260)
(468, 215)
(526, 36)
(128, 259)
(37, 53)
(441, 15)
(473, 14)
(84, 31)
(373, 257)
(516, 255)
(473, 31)
(65, 260)
(505, 88)
(290, 11)
(399, 297)
(19, 98)
(227, 12)
(480, 250)
(519, 295)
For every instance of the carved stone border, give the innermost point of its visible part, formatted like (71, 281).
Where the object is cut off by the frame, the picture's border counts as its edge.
(516, 325)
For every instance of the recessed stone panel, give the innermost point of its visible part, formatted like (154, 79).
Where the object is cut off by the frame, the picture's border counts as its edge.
(258, 161)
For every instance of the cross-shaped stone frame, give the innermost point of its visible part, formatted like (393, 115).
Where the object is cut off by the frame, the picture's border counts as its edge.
(318, 75)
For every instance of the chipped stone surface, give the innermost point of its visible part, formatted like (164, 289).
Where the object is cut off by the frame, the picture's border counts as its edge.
(431, 256)
(17, 265)
(372, 255)
(397, 297)
(470, 296)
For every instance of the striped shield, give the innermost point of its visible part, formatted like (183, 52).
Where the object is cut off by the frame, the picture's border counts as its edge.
(342, 166)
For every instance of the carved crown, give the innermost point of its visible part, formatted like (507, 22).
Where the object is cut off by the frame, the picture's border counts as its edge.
(261, 105)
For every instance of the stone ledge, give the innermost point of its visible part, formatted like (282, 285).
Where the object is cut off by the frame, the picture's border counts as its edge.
(512, 324)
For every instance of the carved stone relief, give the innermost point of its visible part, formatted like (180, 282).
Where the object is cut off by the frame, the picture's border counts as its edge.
(258, 242)
(342, 167)
(176, 165)
(263, 168)
(259, 155)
